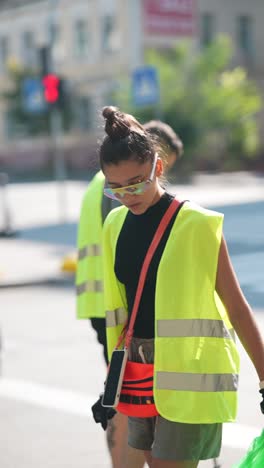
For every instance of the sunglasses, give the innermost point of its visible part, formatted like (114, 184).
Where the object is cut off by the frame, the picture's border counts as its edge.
(134, 189)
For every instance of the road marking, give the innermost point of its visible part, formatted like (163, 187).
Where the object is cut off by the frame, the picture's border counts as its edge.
(47, 397)
(235, 435)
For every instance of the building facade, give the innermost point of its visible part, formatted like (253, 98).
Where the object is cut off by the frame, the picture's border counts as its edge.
(91, 46)
(95, 42)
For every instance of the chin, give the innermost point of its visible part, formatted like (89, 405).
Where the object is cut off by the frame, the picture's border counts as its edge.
(138, 209)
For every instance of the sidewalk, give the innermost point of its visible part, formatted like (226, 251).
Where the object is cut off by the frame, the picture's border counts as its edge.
(26, 263)
(43, 237)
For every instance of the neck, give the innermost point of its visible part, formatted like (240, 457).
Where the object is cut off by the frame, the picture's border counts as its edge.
(160, 191)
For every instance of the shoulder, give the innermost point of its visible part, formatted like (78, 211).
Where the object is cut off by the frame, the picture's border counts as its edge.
(97, 180)
(201, 222)
(96, 183)
(197, 212)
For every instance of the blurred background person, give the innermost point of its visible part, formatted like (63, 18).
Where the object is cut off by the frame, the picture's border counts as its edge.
(89, 275)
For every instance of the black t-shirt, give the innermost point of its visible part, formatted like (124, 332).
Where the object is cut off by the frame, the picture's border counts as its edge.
(135, 237)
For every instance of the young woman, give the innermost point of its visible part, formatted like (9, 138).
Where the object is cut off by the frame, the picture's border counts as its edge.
(190, 307)
(89, 276)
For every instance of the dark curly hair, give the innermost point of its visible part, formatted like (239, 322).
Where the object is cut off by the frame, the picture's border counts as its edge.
(167, 137)
(125, 139)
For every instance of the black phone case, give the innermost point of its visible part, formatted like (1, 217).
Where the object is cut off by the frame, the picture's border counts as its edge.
(114, 378)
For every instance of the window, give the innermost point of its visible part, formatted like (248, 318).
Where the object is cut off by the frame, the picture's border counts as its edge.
(28, 50)
(81, 39)
(245, 34)
(4, 52)
(57, 46)
(108, 33)
(207, 29)
(54, 33)
(83, 113)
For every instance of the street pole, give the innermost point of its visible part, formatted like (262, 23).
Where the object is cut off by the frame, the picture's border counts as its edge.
(56, 132)
(56, 127)
(7, 230)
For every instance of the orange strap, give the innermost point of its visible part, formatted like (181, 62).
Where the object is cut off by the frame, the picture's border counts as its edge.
(127, 333)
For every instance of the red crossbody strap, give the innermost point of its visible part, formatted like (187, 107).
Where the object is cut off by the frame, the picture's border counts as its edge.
(151, 250)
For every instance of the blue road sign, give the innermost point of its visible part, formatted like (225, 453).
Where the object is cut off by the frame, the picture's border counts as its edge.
(33, 96)
(145, 86)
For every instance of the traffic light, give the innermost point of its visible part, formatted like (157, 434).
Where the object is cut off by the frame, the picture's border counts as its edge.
(51, 88)
(54, 90)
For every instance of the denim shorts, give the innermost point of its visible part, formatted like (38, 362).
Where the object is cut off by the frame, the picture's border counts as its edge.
(170, 440)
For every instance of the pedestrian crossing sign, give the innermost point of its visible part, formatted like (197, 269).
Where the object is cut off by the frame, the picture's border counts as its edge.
(145, 86)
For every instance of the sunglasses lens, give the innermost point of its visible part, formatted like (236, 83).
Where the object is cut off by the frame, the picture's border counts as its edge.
(108, 193)
(117, 194)
(136, 189)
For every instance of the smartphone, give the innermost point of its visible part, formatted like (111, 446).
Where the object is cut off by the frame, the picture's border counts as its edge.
(114, 378)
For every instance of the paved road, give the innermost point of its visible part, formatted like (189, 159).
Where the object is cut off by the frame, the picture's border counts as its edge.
(51, 369)
(51, 373)
(244, 231)
(47, 231)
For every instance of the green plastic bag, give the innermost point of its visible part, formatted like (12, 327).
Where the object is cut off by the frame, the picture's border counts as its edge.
(255, 455)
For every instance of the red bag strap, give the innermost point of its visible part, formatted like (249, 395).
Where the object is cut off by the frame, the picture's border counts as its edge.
(142, 277)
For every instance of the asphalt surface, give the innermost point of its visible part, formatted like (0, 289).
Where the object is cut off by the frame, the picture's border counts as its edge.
(43, 218)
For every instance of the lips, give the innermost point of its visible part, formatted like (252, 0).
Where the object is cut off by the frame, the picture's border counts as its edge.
(131, 207)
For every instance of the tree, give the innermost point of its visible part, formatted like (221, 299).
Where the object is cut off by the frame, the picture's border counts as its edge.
(211, 105)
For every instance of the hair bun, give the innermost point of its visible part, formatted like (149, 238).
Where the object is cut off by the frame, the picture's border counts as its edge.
(108, 112)
(117, 125)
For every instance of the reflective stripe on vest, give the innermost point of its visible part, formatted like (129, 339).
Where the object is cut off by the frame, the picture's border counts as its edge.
(89, 274)
(116, 317)
(93, 250)
(89, 286)
(185, 382)
(193, 327)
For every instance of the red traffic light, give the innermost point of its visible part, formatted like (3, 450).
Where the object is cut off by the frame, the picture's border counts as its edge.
(51, 85)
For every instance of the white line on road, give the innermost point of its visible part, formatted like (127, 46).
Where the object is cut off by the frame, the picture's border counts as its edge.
(47, 397)
(235, 435)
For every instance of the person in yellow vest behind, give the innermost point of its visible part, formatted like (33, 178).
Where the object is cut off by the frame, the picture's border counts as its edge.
(190, 309)
(89, 275)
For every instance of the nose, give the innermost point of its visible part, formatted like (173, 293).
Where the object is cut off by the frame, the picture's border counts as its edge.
(127, 197)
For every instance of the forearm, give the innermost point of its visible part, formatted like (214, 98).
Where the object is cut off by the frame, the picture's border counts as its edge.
(239, 311)
(249, 334)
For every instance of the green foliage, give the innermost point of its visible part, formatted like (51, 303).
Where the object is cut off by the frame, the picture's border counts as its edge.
(212, 106)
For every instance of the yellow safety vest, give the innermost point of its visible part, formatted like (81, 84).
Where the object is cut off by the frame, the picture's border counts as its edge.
(196, 359)
(89, 274)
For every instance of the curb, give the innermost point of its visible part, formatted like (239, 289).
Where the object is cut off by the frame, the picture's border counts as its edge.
(48, 281)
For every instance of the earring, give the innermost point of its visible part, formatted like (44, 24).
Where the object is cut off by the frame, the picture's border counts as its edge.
(159, 167)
